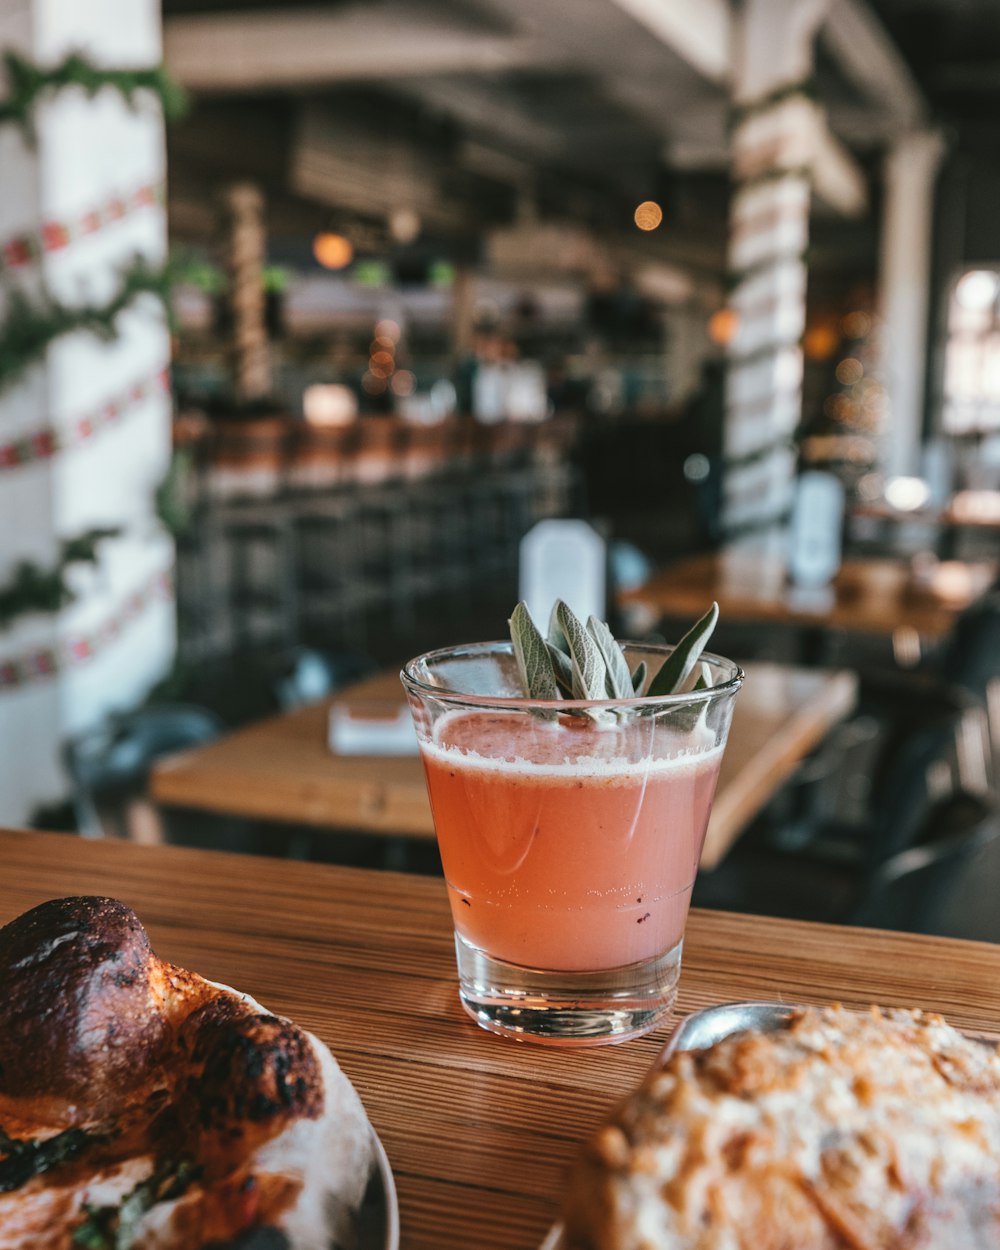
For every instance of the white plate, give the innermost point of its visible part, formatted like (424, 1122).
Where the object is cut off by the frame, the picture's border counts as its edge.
(379, 1219)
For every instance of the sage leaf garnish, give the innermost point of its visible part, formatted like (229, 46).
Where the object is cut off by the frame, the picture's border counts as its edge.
(562, 667)
(589, 669)
(532, 656)
(587, 664)
(618, 680)
(680, 663)
(555, 636)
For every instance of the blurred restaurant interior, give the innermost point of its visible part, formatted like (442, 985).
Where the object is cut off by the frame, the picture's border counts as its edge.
(310, 312)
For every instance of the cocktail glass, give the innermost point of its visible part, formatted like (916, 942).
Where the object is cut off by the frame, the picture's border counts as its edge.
(570, 834)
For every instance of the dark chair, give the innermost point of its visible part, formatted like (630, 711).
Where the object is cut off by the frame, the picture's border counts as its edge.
(829, 866)
(109, 766)
(334, 595)
(970, 659)
(911, 889)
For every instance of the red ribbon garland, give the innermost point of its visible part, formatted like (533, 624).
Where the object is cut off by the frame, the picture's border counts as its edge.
(50, 660)
(48, 442)
(53, 236)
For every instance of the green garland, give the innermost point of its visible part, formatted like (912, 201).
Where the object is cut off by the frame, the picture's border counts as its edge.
(804, 89)
(28, 83)
(32, 325)
(758, 454)
(743, 529)
(736, 277)
(34, 589)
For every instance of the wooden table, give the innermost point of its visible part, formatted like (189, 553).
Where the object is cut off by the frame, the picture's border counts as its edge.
(282, 769)
(478, 1129)
(967, 509)
(868, 596)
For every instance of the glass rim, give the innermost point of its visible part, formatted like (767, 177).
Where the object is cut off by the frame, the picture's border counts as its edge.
(413, 683)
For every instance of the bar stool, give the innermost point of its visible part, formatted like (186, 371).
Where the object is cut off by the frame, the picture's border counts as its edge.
(333, 596)
(259, 547)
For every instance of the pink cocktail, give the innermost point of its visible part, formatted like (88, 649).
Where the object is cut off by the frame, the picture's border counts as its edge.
(569, 842)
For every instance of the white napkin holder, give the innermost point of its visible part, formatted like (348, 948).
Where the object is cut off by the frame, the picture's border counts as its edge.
(368, 731)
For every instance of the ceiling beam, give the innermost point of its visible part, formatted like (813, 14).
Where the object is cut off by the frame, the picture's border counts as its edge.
(872, 62)
(701, 33)
(837, 177)
(240, 51)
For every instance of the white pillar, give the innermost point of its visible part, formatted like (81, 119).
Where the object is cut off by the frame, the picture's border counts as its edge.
(93, 416)
(904, 284)
(773, 146)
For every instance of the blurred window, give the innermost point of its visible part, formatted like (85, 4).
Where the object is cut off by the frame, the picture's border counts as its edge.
(972, 360)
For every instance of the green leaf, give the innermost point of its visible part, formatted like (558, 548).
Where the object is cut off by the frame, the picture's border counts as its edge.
(704, 677)
(639, 677)
(562, 667)
(589, 669)
(532, 655)
(618, 680)
(556, 637)
(679, 665)
(116, 1228)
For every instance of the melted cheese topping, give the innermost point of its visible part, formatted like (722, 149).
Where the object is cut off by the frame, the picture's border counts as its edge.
(842, 1132)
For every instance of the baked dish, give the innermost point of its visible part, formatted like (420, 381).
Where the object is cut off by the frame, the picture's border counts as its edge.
(838, 1131)
(145, 1108)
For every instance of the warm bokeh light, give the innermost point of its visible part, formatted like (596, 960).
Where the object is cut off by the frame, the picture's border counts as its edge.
(837, 407)
(404, 225)
(856, 324)
(333, 251)
(977, 289)
(722, 325)
(820, 341)
(648, 215)
(373, 385)
(907, 493)
(382, 363)
(387, 328)
(849, 371)
(869, 487)
(382, 343)
(976, 505)
(403, 383)
(329, 404)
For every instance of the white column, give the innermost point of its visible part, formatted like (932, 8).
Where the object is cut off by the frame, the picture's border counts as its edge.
(904, 283)
(98, 408)
(773, 149)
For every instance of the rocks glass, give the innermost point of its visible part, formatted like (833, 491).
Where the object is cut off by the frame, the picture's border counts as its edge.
(570, 833)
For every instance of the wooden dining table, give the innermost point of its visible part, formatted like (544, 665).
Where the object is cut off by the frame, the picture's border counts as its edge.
(868, 596)
(282, 768)
(479, 1130)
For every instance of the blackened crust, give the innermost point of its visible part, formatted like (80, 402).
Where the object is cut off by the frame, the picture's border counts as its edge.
(253, 1075)
(78, 1015)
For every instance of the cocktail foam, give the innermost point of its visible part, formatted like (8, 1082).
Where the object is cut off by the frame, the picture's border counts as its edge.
(682, 759)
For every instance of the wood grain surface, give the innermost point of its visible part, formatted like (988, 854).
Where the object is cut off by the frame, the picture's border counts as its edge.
(868, 596)
(478, 1129)
(282, 769)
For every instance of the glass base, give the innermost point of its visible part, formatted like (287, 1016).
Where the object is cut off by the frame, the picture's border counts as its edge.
(567, 1008)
